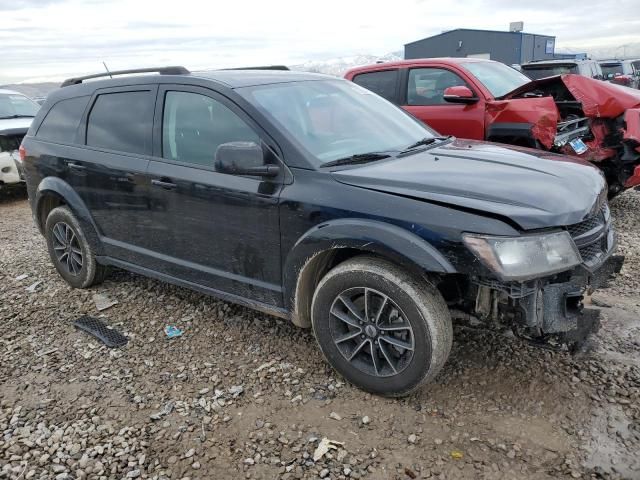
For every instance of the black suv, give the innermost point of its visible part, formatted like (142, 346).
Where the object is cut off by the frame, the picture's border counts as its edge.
(310, 198)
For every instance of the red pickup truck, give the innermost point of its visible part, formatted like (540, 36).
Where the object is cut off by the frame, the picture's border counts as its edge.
(486, 100)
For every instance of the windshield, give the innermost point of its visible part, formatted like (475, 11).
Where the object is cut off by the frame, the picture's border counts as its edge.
(335, 119)
(611, 68)
(14, 104)
(535, 72)
(496, 77)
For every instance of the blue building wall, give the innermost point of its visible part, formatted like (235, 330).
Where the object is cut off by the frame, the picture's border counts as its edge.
(506, 47)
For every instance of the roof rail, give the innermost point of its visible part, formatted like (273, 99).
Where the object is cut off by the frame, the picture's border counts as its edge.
(265, 67)
(161, 70)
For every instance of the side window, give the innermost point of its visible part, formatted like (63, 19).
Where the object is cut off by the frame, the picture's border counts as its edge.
(62, 120)
(383, 83)
(194, 126)
(121, 121)
(427, 85)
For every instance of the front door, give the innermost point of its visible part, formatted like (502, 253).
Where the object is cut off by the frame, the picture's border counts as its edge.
(214, 229)
(425, 100)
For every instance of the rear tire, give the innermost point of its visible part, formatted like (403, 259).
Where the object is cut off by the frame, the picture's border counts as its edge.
(69, 250)
(405, 340)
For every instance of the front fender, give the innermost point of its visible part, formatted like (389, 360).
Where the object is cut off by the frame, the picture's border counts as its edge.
(62, 190)
(369, 236)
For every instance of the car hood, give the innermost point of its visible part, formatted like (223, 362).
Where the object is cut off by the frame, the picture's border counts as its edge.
(533, 188)
(598, 98)
(14, 124)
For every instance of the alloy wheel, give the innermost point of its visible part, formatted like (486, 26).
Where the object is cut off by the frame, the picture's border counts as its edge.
(67, 248)
(371, 332)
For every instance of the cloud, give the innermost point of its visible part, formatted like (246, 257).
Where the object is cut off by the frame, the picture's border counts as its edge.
(58, 38)
(24, 4)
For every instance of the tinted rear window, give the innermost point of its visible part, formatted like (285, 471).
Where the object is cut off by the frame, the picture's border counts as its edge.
(383, 83)
(611, 68)
(542, 71)
(62, 120)
(122, 121)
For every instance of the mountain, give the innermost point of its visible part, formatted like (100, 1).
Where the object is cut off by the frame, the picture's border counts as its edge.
(33, 90)
(334, 66)
(338, 66)
(629, 50)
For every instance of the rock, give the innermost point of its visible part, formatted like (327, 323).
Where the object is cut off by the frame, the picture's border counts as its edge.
(324, 473)
(412, 438)
(366, 420)
(335, 416)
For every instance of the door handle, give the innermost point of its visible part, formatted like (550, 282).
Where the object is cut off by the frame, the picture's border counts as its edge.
(76, 166)
(164, 183)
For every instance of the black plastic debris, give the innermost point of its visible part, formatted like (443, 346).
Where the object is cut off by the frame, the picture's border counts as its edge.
(103, 332)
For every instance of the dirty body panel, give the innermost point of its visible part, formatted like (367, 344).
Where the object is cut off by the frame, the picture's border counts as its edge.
(345, 189)
(536, 308)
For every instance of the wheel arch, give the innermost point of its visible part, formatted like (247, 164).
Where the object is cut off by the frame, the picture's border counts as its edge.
(330, 243)
(53, 192)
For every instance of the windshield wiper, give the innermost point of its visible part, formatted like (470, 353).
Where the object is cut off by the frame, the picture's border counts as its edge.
(358, 158)
(16, 116)
(425, 141)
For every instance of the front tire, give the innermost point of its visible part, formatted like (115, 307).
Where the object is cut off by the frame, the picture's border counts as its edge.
(69, 250)
(383, 329)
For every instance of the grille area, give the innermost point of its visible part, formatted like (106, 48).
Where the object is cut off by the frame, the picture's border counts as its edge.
(591, 236)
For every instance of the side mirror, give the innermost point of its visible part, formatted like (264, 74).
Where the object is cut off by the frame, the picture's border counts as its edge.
(243, 158)
(459, 94)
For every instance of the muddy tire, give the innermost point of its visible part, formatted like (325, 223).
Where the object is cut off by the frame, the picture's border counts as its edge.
(384, 330)
(69, 250)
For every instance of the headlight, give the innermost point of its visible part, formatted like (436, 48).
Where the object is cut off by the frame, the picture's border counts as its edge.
(526, 257)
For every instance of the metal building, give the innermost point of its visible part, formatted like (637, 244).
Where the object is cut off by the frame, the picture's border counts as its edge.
(507, 47)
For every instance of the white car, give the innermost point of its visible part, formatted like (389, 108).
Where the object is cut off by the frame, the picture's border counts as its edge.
(16, 113)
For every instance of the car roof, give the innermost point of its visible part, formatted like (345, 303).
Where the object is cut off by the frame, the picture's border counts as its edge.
(246, 78)
(558, 61)
(417, 61)
(230, 78)
(399, 63)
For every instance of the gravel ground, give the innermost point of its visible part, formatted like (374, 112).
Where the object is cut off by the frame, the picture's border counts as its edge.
(245, 395)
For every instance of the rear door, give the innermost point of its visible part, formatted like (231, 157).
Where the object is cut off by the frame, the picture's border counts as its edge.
(423, 96)
(385, 83)
(215, 229)
(117, 130)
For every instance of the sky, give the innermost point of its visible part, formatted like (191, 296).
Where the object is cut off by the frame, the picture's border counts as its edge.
(43, 40)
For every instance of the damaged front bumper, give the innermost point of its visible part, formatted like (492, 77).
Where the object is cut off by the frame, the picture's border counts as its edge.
(553, 307)
(548, 309)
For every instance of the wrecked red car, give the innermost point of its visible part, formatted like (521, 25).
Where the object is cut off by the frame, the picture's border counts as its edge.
(486, 100)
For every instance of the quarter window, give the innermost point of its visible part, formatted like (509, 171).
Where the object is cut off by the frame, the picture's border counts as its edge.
(62, 120)
(195, 125)
(383, 83)
(427, 85)
(122, 121)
